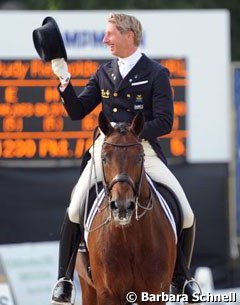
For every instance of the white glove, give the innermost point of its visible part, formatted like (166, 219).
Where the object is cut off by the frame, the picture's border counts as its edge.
(60, 69)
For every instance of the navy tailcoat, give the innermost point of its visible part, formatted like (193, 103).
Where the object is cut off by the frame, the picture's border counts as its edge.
(145, 88)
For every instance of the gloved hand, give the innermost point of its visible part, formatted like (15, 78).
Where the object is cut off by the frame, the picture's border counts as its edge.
(60, 69)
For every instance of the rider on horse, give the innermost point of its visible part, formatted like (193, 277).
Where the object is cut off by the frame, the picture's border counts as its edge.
(126, 85)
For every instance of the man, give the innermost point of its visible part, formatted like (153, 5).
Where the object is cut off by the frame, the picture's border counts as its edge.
(130, 83)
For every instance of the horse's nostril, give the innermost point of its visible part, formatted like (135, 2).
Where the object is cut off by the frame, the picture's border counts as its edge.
(132, 205)
(113, 205)
(122, 206)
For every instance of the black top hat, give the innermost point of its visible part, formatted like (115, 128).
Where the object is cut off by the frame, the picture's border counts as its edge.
(48, 40)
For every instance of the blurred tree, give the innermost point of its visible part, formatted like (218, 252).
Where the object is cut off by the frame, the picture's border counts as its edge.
(233, 6)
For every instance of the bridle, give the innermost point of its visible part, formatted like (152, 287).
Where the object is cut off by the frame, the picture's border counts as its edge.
(124, 177)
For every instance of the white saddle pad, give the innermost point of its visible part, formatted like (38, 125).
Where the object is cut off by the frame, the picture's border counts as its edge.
(162, 201)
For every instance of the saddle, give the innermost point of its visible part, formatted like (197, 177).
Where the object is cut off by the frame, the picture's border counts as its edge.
(173, 204)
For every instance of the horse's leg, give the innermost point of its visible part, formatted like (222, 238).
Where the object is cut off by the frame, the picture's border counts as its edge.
(89, 295)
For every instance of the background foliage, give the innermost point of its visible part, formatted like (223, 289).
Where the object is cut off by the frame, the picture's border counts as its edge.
(232, 5)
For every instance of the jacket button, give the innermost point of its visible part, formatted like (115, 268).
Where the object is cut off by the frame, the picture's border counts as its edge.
(115, 109)
(115, 94)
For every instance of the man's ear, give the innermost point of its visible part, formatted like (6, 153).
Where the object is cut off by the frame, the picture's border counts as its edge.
(131, 35)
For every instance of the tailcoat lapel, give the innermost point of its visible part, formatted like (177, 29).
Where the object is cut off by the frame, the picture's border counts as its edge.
(114, 74)
(138, 72)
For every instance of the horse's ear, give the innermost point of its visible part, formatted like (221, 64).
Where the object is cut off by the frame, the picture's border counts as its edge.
(137, 123)
(104, 124)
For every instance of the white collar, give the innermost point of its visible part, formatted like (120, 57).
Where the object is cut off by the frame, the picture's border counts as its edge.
(131, 60)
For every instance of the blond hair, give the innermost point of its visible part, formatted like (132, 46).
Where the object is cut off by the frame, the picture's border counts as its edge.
(125, 23)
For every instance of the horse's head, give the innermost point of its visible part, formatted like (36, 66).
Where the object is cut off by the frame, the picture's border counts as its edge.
(122, 161)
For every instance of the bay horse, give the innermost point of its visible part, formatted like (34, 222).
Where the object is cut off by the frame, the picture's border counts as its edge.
(135, 249)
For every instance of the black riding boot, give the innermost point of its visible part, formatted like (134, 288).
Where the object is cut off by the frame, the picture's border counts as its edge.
(68, 248)
(181, 276)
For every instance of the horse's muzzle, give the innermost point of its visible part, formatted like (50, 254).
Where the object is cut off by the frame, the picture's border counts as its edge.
(122, 212)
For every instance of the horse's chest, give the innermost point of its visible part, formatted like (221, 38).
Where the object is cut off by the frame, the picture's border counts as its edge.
(124, 257)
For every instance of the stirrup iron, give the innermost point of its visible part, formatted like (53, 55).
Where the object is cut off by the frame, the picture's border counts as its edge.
(73, 292)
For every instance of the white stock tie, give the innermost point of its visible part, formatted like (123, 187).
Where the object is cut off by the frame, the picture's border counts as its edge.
(123, 68)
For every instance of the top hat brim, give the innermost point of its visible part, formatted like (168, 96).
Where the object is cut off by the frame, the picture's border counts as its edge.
(48, 41)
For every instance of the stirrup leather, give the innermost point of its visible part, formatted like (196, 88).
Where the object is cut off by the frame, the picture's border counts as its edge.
(70, 295)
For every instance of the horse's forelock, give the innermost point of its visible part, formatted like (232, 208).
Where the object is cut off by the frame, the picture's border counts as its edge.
(122, 128)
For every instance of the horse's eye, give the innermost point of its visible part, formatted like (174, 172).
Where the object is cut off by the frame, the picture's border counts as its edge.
(140, 159)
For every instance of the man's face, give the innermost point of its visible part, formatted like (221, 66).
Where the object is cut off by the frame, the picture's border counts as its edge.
(119, 44)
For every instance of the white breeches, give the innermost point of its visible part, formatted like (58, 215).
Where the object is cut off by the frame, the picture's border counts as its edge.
(154, 167)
